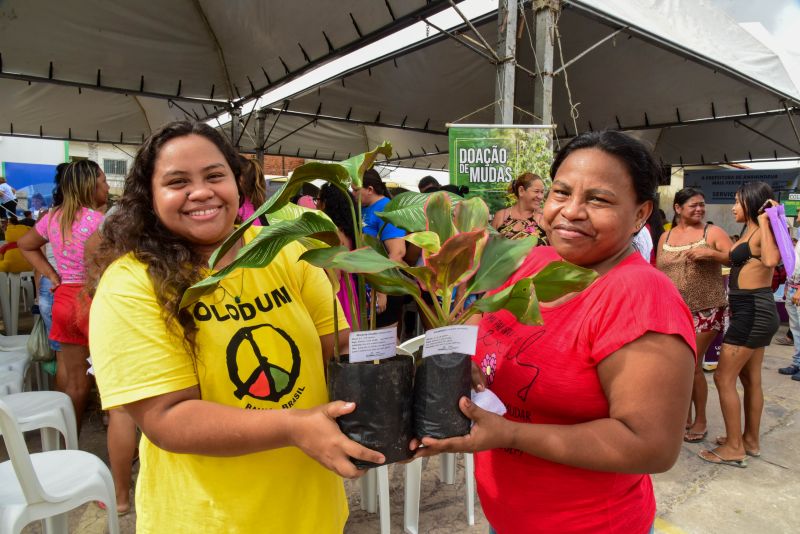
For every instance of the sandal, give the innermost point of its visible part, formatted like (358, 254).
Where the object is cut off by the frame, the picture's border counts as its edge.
(695, 437)
(719, 460)
(722, 440)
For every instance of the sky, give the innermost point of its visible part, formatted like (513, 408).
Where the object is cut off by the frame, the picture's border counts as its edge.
(780, 17)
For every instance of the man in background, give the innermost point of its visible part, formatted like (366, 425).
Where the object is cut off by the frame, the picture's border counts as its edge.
(428, 184)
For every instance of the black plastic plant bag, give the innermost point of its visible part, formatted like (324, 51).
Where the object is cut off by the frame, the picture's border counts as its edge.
(441, 380)
(383, 395)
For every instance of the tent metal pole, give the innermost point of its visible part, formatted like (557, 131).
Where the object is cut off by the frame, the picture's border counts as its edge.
(474, 29)
(507, 49)
(236, 114)
(461, 41)
(261, 120)
(598, 43)
(791, 121)
(545, 13)
(767, 137)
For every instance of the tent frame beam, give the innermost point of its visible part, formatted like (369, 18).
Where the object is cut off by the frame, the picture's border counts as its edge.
(432, 7)
(110, 89)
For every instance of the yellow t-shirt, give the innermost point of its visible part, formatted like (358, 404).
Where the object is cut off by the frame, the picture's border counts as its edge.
(262, 352)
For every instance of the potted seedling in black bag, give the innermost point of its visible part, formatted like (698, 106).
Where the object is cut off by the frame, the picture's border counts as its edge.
(460, 249)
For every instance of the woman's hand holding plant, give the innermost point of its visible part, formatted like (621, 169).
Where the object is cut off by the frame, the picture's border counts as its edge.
(315, 432)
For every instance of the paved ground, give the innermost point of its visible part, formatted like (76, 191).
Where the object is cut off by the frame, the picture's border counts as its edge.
(694, 497)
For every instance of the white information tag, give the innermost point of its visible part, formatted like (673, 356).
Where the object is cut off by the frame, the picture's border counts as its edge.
(460, 339)
(368, 345)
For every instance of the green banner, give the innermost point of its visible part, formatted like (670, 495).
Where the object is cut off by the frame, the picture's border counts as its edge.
(486, 158)
(790, 201)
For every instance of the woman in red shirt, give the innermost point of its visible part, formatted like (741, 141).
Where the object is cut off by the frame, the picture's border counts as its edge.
(597, 397)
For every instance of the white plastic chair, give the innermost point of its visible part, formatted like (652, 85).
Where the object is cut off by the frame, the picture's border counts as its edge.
(10, 284)
(14, 343)
(15, 364)
(48, 484)
(50, 412)
(375, 483)
(10, 382)
(447, 469)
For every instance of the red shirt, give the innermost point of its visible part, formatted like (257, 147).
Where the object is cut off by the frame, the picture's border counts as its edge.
(547, 374)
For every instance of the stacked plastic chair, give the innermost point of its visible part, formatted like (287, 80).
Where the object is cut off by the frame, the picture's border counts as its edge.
(12, 265)
(49, 484)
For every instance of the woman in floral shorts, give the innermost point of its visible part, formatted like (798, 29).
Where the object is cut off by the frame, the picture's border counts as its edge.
(692, 254)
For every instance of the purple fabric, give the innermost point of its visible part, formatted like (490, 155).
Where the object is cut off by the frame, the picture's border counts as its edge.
(780, 229)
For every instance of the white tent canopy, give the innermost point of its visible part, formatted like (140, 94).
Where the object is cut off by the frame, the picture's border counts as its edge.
(670, 64)
(113, 71)
(105, 69)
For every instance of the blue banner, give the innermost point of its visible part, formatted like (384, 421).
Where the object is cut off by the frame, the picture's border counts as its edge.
(720, 186)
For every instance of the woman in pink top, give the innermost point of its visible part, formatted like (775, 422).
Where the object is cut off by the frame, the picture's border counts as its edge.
(254, 189)
(67, 228)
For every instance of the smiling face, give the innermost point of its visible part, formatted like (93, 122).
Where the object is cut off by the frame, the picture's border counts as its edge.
(693, 211)
(194, 191)
(592, 211)
(532, 196)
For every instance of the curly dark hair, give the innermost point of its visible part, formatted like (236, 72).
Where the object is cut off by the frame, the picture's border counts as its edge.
(172, 263)
(336, 206)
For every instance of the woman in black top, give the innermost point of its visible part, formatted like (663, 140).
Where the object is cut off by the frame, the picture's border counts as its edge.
(754, 320)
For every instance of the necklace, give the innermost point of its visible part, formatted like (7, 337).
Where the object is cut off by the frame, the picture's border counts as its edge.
(236, 298)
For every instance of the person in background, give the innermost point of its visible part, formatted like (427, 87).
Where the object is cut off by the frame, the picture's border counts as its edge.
(692, 254)
(67, 227)
(38, 204)
(254, 190)
(373, 196)
(429, 184)
(792, 300)
(524, 218)
(754, 320)
(229, 392)
(667, 224)
(27, 218)
(333, 202)
(597, 395)
(8, 201)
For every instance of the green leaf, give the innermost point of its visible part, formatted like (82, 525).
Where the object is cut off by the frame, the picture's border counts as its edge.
(375, 244)
(264, 247)
(407, 210)
(425, 240)
(455, 261)
(361, 260)
(357, 165)
(439, 212)
(422, 274)
(560, 278)
(290, 212)
(330, 172)
(500, 259)
(472, 214)
(391, 282)
(519, 299)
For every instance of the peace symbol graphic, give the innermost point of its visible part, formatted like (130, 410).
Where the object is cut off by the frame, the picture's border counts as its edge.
(265, 380)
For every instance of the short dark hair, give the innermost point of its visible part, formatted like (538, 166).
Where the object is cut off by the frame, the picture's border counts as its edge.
(373, 179)
(427, 182)
(27, 213)
(638, 159)
(683, 196)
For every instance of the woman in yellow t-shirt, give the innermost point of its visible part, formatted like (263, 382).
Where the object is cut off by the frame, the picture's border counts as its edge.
(230, 392)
